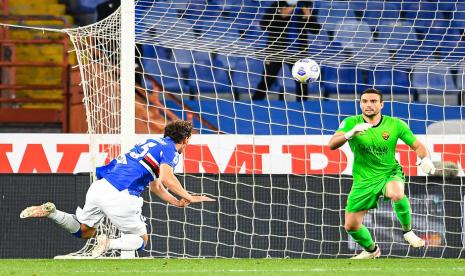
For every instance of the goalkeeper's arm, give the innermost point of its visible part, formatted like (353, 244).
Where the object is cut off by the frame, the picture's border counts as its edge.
(425, 162)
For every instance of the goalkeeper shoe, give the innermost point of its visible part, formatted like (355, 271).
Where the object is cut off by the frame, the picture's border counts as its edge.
(103, 242)
(38, 211)
(368, 255)
(413, 239)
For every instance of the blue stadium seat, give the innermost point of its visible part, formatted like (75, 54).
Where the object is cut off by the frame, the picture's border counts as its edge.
(254, 37)
(88, 6)
(452, 44)
(379, 13)
(395, 35)
(332, 14)
(247, 74)
(458, 16)
(205, 78)
(317, 43)
(434, 83)
(389, 80)
(221, 32)
(157, 64)
(342, 80)
(353, 34)
(242, 12)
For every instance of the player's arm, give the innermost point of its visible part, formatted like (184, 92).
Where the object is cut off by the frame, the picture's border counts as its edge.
(159, 190)
(340, 137)
(170, 180)
(337, 140)
(425, 162)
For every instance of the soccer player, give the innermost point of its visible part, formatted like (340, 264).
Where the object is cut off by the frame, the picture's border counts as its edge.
(116, 193)
(373, 138)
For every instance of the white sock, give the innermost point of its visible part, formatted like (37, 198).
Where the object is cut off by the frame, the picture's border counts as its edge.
(127, 242)
(65, 220)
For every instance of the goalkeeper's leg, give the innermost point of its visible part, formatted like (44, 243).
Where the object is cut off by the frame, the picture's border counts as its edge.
(361, 235)
(401, 206)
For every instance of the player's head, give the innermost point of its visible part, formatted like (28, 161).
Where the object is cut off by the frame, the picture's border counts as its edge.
(371, 102)
(180, 132)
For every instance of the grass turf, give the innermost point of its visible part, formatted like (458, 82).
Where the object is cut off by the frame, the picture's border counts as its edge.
(233, 267)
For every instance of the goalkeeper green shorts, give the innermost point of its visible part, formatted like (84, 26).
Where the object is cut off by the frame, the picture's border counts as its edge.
(366, 198)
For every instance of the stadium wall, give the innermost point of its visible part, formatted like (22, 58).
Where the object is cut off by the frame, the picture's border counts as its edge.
(299, 219)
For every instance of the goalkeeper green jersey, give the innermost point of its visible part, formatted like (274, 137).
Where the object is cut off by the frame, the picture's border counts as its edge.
(374, 150)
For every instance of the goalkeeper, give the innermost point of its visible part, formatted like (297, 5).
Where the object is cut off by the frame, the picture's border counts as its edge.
(116, 193)
(373, 138)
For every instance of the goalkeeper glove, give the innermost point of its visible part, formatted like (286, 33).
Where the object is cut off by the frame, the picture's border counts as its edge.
(360, 128)
(292, 2)
(426, 165)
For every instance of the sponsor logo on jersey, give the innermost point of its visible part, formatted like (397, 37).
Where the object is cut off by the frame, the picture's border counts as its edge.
(385, 135)
(372, 149)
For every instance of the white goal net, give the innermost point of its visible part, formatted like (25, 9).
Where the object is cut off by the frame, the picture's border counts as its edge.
(260, 143)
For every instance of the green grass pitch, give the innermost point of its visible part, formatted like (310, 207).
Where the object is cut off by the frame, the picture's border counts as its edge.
(405, 267)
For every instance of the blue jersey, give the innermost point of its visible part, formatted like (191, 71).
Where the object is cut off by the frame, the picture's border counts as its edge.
(141, 165)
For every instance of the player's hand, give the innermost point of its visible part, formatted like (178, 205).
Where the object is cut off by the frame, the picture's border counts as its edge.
(201, 198)
(360, 128)
(183, 203)
(426, 165)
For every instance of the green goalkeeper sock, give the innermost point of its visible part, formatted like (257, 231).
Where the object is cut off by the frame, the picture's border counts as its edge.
(363, 237)
(402, 209)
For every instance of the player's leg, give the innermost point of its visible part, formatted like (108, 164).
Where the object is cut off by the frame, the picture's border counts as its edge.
(358, 204)
(355, 228)
(125, 212)
(67, 221)
(269, 77)
(401, 206)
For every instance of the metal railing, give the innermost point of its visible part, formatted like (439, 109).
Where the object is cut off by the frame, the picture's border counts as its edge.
(15, 108)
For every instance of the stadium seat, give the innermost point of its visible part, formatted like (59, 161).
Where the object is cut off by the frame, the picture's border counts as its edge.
(332, 14)
(352, 34)
(317, 43)
(208, 79)
(458, 16)
(379, 13)
(434, 83)
(338, 81)
(243, 13)
(396, 34)
(452, 44)
(157, 64)
(247, 75)
(391, 81)
(219, 33)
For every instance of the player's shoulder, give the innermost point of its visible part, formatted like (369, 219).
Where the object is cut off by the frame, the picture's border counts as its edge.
(350, 121)
(394, 120)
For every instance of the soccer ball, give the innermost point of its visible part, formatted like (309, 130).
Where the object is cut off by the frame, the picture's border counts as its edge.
(306, 70)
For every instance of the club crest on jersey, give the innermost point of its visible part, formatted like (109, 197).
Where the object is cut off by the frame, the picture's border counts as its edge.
(385, 135)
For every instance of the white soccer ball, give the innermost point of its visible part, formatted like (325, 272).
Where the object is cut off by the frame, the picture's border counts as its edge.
(306, 70)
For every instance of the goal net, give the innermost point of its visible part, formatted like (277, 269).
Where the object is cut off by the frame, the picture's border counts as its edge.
(260, 143)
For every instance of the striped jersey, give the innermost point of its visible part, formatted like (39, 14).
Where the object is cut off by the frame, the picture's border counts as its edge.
(140, 166)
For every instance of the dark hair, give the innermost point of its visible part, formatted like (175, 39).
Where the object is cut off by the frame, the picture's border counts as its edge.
(178, 130)
(372, 91)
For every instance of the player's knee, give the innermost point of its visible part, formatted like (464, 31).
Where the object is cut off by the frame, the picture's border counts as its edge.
(397, 196)
(87, 232)
(351, 226)
(145, 238)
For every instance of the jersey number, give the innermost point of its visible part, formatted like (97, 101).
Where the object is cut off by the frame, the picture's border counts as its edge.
(145, 149)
